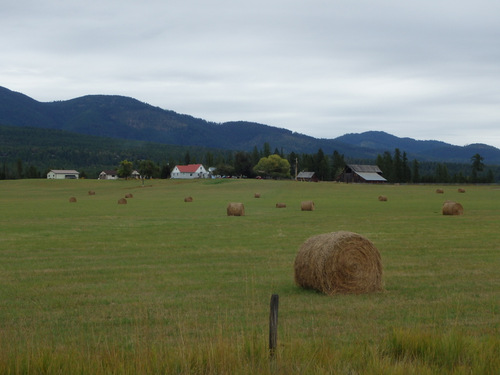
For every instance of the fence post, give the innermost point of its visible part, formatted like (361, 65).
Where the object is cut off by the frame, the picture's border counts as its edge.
(273, 326)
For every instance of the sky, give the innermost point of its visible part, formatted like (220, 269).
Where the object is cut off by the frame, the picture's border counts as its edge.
(426, 69)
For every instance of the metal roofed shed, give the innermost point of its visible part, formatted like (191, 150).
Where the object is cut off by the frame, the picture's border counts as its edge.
(307, 176)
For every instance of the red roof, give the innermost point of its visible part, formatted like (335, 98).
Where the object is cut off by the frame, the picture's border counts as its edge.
(190, 168)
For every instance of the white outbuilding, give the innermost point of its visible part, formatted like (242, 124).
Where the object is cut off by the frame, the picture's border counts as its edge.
(63, 174)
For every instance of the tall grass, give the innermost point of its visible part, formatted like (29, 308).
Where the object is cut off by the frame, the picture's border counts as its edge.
(163, 286)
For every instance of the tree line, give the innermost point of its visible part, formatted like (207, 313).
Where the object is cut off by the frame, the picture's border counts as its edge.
(262, 162)
(395, 166)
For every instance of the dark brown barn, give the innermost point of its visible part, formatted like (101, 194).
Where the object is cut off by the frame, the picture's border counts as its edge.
(355, 173)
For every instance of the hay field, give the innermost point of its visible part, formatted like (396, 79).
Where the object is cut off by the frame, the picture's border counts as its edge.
(160, 285)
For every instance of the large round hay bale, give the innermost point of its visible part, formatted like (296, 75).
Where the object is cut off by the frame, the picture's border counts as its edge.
(91, 192)
(382, 198)
(307, 206)
(280, 205)
(235, 209)
(452, 208)
(129, 195)
(188, 199)
(256, 195)
(339, 262)
(439, 191)
(72, 200)
(460, 190)
(122, 201)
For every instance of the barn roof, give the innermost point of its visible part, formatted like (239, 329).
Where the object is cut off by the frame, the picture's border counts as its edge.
(305, 175)
(190, 168)
(66, 171)
(370, 176)
(362, 168)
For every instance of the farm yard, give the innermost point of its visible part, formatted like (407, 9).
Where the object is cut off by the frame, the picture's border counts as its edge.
(162, 284)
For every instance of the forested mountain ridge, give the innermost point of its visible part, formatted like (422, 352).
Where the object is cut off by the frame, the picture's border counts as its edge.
(129, 119)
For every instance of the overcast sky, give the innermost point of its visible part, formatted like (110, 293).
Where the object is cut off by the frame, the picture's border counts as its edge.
(426, 69)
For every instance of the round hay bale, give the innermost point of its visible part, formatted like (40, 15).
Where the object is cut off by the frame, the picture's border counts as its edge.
(452, 208)
(72, 200)
(339, 262)
(129, 195)
(382, 198)
(460, 190)
(91, 192)
(439, 191)
(235, 209)
(307, 206)
(188, 199)
(122, 201)
(280, 205)
(256, 195)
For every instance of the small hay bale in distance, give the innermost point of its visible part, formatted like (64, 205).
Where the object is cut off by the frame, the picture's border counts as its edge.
(235, 209)
(339, 263)
(91, 192)
(188, 199)
(439, 191)
(460, 190)
(256, 195)
(382, 198)
(280, 205)
(129, 195)
(307, 206)
(72, 200)
(452, 208)
(122, 201)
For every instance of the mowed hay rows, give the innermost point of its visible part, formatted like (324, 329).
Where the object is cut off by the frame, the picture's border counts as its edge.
(382, 198)
(307, 206)
(235, 209)
(339, 262)
(280, 205)
(122, 201)
(72, 200)
(188, 199)
(452, 208)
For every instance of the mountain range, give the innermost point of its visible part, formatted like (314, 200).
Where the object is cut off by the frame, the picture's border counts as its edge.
(126, 118)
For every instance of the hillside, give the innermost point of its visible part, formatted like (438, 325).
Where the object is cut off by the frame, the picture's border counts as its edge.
(126, 118)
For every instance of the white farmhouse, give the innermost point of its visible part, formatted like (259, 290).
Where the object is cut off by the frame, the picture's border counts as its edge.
(61, 174)
(189, 171)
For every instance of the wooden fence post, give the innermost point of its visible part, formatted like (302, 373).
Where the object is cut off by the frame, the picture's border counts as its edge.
(273, 326)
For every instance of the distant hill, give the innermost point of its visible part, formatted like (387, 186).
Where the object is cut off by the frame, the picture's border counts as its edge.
(129, 119)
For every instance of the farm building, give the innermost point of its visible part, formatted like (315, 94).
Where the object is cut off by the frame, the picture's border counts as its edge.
(361, 173)
(307, 176)
(189, 171)
(108, 175)
(62, 174)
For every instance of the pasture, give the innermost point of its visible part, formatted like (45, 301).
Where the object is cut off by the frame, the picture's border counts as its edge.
(160, 285)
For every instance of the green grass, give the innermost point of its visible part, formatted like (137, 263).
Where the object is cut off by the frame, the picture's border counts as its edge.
(163, 286)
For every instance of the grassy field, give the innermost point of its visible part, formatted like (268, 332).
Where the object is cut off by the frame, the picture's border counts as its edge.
(163, 286)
